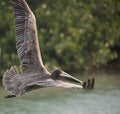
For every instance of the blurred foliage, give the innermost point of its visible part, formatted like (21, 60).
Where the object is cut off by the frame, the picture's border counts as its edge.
(73, 34)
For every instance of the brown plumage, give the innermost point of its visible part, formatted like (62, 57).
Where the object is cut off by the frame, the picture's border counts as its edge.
(34, 74)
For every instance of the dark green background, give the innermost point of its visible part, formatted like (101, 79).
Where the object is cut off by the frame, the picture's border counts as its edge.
(73, 34)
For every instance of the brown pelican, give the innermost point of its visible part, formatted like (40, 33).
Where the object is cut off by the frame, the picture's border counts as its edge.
(34, 74)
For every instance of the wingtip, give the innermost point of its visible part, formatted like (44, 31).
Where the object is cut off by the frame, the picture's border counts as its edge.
(9, 96)
(21, 3)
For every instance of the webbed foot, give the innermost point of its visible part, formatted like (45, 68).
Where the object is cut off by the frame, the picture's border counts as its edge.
(89, 84)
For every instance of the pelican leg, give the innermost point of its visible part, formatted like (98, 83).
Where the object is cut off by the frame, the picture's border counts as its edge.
(89, 84)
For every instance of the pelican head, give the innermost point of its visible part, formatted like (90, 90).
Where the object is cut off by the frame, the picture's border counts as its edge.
(58, 74)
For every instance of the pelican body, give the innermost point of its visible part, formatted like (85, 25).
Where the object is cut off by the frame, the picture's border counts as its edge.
(34, 74)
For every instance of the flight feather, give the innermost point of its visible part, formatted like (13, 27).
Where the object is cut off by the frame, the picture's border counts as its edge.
(26, 38)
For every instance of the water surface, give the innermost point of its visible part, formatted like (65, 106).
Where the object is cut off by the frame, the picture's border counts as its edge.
(105, 99)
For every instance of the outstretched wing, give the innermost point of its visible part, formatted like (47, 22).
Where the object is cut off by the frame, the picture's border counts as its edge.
(26, 38)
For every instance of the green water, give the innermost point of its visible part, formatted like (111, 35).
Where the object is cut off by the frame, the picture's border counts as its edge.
(105, 99)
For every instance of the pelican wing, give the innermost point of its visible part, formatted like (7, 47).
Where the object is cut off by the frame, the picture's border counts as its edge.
(26, 38)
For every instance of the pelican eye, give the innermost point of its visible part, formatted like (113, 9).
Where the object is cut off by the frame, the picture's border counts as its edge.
(56, 74)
